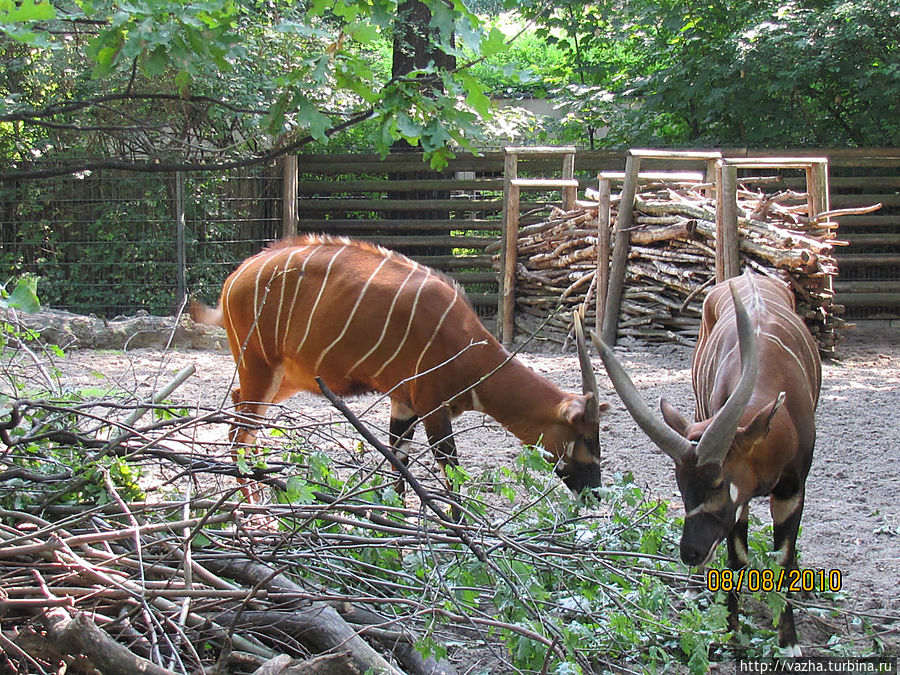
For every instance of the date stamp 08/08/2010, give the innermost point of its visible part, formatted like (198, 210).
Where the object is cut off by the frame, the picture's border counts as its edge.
(765, 580)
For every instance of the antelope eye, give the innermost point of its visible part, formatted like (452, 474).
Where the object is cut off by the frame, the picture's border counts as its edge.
(717, 484)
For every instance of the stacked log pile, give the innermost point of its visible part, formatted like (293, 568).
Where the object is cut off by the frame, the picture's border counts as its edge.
(672, 261)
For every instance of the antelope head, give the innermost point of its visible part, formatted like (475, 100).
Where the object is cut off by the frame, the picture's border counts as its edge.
(712, 490)
(578, 433)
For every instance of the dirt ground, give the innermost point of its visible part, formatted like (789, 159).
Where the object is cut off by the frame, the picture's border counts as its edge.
(851, 521)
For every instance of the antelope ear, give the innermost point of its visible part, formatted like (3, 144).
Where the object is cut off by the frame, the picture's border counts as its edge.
(761, 423)
(573, 410)
(673, 418)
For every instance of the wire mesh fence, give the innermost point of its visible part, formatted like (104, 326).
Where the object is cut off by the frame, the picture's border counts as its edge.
(107, 244)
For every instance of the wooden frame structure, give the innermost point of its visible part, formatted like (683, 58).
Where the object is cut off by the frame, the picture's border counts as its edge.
(727, 238)
(613, 280)
(720, 178)
(512, 188)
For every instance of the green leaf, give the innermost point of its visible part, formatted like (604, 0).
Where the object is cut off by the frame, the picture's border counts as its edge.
(408, 128)
(24, 295)
(314, 121)
(26, 10)
(365, 33)
(299, 491)
(493, 43)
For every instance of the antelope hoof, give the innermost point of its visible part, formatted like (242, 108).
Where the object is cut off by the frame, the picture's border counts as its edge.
(792, 652)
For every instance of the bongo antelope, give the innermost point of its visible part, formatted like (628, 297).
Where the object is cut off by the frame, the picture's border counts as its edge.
(364, 318)
(756, 376)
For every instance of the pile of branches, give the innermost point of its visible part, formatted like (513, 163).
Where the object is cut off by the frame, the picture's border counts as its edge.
(125, 547)
(672, 260)
(94, 574)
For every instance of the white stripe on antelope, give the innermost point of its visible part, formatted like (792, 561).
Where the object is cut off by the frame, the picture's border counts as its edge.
(364, 318)
(756, 377)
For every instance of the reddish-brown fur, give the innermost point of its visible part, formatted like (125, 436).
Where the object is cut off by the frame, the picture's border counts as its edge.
(364, 318)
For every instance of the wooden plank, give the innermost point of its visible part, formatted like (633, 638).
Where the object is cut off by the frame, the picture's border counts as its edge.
(533, 183)
(289, 196)
(728, 261)
(773, 162)
(868, 221)
(700, 155)
(474, 277)
(332, 205)
(508, 269)
(387, 185)
(868, 299)
(446, 262)
(546, 150)
(369, 224)
(621, 247)
(872, 239)
(817, 187)
(841, 287)
(592, 161)
(569, 191)
(603, 232)
(709, 177)
(868, 259)
(400, 241)
(840, 201)
(686, 176)
(483, 299)
(890, 183)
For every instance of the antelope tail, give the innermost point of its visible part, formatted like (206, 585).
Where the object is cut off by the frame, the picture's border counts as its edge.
(200, 313)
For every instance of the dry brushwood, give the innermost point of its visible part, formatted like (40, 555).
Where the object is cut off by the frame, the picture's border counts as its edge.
(186, 579)
(185, 586)
(672, 260)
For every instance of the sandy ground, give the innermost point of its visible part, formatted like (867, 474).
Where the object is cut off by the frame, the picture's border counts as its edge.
(851, 520)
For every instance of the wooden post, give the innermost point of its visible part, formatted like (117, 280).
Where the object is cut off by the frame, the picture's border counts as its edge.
(728, 259)
(180, 261)
(712, 175)
(569, 193)
(818, 200)
(620, 250)
(508, 250)
(289, 197)
(604, 189)
(817, 187)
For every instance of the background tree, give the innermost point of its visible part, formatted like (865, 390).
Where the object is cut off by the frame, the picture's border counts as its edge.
(761, 73)
(159, 83)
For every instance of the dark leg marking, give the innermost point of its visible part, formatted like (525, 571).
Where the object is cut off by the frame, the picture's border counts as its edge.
(786, 507)
(440, 436)
(737, 559)
(400, 434)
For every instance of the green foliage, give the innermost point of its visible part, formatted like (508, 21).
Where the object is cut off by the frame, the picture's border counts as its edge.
(761, 73)
(23, 296)
(602, 582)
(251, 76)
(18, 18)
(39, 439)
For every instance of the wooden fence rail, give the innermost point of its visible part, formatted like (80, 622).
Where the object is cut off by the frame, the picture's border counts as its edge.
(107, 244)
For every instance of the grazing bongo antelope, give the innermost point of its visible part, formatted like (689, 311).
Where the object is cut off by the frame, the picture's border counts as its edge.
(756, 376)
(364, 318)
